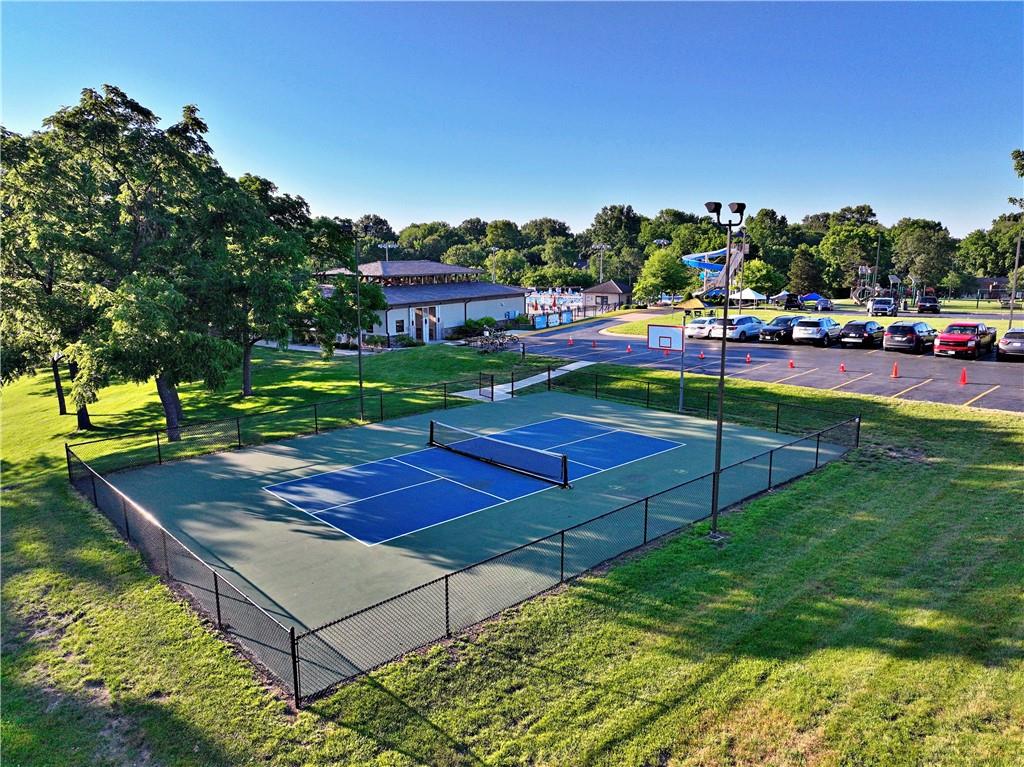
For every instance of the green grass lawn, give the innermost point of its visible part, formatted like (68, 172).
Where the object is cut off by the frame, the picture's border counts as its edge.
(639, 327)
(871, 613)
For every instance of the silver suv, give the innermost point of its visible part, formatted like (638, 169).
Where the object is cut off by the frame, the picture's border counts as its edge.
(884, 307)
(822, 331)
(742, 327)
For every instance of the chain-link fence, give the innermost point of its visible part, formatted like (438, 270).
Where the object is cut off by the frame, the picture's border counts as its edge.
(341, 649)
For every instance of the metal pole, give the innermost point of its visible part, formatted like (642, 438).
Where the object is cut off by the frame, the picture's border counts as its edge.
(561, 559)
(295, 662)
(216, 597)
(646, 510)
(682, 382)
(159, 457)
(359, 329)
(817, 448)
(1013, 285)
(771, 461)
(447, 610)
(238, 430)
(316, 420)
(721, 387)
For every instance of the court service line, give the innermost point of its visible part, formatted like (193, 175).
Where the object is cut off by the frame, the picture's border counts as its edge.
(911, 388)
(849, 381)
(795, 375)
(988, 391)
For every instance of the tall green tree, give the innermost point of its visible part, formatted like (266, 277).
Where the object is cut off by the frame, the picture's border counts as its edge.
(761, 276)
(662, 273)
(507, 266)
(804, 272)
(923, 249)
(472, 256)
(559, 251)
(502, 234)
(539, 230)
(844, 249)
(770, 235)
(617, 226)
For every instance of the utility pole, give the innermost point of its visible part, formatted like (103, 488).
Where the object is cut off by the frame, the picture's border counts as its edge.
(1013, 282)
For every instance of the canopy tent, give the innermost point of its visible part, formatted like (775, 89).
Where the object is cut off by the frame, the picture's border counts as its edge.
(748, 294)
(780, 296)
(811, 297)
(691, 304)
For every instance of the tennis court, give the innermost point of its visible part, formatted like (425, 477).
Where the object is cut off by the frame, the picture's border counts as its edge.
(383, 500)
(317, 527)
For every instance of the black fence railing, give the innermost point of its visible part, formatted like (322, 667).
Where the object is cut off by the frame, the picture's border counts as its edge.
(310, 663)
(363, 640)
(132, 449)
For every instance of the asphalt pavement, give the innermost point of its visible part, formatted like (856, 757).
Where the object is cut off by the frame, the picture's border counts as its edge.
(990, 384)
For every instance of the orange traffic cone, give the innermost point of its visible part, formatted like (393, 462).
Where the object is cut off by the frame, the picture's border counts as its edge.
(629, 348)
(593, 344)
(570, 340)
(792, 364)
(701, 355)
(895, 370)
(842, 367)
(963, 376)
(748, 359)
(666, 352)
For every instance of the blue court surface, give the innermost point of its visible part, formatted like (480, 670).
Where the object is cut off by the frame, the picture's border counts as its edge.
(386, 499)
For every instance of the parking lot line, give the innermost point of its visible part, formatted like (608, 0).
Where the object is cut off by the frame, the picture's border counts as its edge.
(911, 388)
(750, 370)
(795, 375)
(849, 381)
(874, 351)
(987, 391)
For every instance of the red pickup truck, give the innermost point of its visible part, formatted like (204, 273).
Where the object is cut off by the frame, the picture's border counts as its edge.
(970, 338)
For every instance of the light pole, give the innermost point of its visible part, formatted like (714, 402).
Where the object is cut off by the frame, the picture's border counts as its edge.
(716, 208)
(387, 247)
(601, 248)
(661, 242)
(349, 230)
(1013, 282)
(492, 250)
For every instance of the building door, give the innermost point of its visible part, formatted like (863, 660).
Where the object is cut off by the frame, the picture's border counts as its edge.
(426, 323)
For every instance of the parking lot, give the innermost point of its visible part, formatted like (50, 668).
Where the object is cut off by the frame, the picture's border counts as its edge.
(990, 384)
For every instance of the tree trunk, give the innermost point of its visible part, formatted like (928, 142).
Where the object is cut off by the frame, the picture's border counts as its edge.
(247, 370)
(62, 405)
(172, 407)
(84, 422)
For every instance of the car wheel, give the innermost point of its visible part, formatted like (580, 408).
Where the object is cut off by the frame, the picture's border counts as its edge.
(743, 336)
(919, 348)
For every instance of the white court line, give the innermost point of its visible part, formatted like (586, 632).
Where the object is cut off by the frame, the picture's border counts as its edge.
(376, 495)
(455, 481)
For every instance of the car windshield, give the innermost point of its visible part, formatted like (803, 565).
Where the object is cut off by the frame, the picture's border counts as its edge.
(929, 300)
(807, 324)
(855, 326)
(882, 301)
(962, 330)
(783, 321)
(731, 323)
(1016, 335)
(897, 328)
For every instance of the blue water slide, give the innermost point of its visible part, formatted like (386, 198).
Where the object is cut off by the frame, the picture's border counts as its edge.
(702, 261)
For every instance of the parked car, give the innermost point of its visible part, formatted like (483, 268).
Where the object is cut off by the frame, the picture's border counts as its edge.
(907, 335)
(928, 304)
(793, 303)
(821, 331)
(884, 307)
(862, 333)
(742, 327)
(1011, 345)
(699, 327)
(780, 329)
(823, 305)
(1004, 302)
(970, 338)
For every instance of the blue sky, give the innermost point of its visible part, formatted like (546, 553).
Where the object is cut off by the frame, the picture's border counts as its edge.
(423, 112)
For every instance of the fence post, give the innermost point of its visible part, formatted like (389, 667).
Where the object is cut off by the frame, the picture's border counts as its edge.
(648, 394)
(293, 646)
(445, 395)
(167, 560)
(95, 497)
(771, 462)
(512, 391)
(447, 610)
(856, 439)
(709, 405)
(524, 351)
(67, 457)
(778, 407)
(646, 504)
(561, 558)
(549, 378)
(238, 430)
(216, 597)
(124, 516)
(492, 387)
(382, 406)
(316, 420)
(817, 447)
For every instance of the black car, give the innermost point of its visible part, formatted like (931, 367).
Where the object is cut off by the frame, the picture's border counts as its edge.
(862, 333)
(793, 302)
(909, 336)
(928, 304)
(780, 329)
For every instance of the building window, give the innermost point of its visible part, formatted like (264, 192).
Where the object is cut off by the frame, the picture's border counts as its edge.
(399, 326)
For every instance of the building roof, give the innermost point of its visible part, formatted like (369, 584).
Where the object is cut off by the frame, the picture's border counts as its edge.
(407, 269)
(611, 286)
(439, 293)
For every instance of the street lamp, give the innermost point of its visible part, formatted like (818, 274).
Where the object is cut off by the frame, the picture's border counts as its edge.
(492, 250)
(601, 248)
(349, 231)
(387, 247)
(715, 208)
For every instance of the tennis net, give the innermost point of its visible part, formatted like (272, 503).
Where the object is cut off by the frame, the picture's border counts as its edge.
(542, 464)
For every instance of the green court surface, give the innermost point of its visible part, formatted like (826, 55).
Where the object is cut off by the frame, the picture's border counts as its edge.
(305, 572)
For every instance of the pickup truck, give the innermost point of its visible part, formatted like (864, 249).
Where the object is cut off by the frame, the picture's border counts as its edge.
(928, 304)
(970, 338)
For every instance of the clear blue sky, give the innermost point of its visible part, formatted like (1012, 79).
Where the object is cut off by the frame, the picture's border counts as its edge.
(423, 112)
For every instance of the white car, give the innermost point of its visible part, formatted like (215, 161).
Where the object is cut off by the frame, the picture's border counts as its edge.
(742, 327)
(699, 327)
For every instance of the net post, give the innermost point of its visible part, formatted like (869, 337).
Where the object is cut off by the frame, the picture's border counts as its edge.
(561, 557)
(124, 517)
(817, 448)
(771, 465)
(646, 510)
(238, 430)
(216, 597)
(565, 470)
(381, 402)
(316, 420)
(430, 439)
(778, 408)
(293, 649)
(447, 608)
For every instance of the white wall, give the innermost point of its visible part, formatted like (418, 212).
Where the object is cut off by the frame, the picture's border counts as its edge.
(450, 315)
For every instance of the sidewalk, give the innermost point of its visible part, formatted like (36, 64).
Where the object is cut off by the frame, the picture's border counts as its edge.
(504, 391)
(310, 349)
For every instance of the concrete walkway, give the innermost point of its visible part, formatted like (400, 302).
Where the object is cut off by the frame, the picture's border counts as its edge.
(504, 391)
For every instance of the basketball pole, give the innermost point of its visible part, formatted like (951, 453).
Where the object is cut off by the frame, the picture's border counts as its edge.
(682, 364)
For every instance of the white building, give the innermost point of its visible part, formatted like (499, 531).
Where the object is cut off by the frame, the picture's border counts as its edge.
(426, 300)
